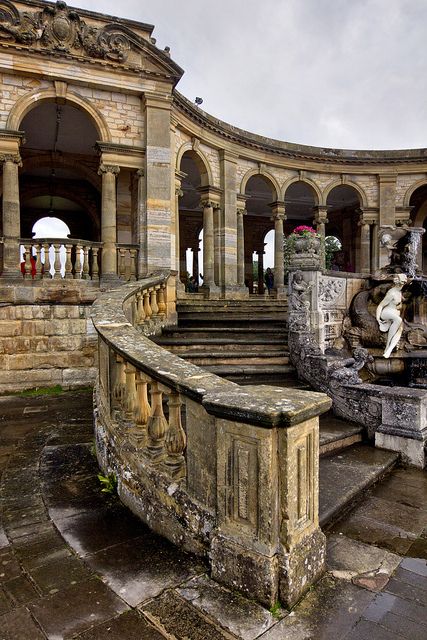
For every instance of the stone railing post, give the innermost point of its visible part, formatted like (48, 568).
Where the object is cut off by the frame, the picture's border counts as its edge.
(240, 247)
(268, 543)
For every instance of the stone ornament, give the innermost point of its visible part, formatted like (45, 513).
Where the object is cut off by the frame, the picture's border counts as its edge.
(299, 295)
(388, 313)
(331, 290)
(59, 28)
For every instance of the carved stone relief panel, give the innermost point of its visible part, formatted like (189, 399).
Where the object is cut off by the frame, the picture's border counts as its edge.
(332, 292)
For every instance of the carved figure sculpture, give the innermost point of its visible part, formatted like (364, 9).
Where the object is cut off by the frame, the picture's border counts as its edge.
(298, 298)
(388, 313)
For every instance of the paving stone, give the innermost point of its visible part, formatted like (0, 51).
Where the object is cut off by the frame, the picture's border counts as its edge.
(129, 626)
(20, 590)
(5, 602)
(76, 609)
(54, 576)
(385, 602)
(179, 619)
(328, 612)
(9, 565)
(45, 548)
(415, 565)
(19, 625)
(409, 577)
(92, 531)
(4, 542)
(409, 629)
(366, 630)
(243, 617)
(410, 592)
(366, 565)
(141, 568)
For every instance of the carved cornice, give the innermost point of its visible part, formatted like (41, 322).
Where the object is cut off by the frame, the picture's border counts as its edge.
(119, 149)
(59, 30)
(295, 151)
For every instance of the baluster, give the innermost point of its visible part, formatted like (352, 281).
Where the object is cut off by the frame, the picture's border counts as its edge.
(133, 263)
(153, 302)
(176, 439)
(85, 270)
(147, 307)
(78, 263)
(156, 426)
(130, 400)
(27, 261)
(95, 265)
(140, 308)
(56, 260)
(68, 264)
(122, 264)
(120, 382)
(142, 412)
(46, 270)
(161, 301)
(39, 265)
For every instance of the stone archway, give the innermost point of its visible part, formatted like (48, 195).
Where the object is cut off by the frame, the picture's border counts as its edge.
(343, 204)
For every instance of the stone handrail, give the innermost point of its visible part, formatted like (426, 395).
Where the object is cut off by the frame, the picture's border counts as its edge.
(224, 471)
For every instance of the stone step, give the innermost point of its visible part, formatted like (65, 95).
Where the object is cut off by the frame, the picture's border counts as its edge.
(208, 358)
(336, 434)
(213, 330)
(201, 303)
(255, 374)
(346, 475)
(226, 349)
(221, 339)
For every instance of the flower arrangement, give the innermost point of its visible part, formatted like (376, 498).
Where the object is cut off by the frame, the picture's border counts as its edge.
(305, 231)
(302, 239)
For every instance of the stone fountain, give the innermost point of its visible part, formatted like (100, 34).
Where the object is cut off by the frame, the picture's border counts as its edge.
(337, 345)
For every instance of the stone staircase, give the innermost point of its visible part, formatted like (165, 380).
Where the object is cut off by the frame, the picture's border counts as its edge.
(247, 342)
(244, 341)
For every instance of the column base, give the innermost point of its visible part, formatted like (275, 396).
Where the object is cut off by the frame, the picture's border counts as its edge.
(110, 280)
(235, 292)
(280, 292)
(211, 291)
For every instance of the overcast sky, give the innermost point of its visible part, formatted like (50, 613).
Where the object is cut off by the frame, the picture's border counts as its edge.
(336, 73)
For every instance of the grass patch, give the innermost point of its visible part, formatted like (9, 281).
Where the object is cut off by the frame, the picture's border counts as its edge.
(41, 391)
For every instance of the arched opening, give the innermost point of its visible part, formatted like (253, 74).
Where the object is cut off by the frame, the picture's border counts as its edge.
(343, 204)
(191, 219)
(300, 200)
(418, 202)
(59, 175)
(259, 193)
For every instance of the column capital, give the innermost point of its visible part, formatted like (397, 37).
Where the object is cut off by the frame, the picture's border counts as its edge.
(278, 210)
(208, 202)
(320, 214)
(403, 215)
(11, 157)
(368, 215)
(178, 191)
(210, 196)
(140, 173)
(108, 168)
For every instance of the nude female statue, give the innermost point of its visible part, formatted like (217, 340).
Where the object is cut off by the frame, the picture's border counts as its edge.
(388, 313)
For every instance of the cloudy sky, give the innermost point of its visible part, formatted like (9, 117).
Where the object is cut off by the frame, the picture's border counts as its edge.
(336, 73)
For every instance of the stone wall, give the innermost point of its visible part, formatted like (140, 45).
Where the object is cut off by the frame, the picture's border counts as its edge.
(46, 343)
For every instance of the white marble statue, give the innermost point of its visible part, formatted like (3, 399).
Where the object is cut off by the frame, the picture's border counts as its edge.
(388, 313)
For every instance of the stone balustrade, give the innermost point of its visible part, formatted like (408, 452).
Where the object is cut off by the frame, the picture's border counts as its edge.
(69, 258)
(224, 471)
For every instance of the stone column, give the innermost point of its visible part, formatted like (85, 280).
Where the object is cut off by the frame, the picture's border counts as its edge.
(178, 194)
(217, 245)
(208, 286)
(240, 247)
(278, 209)
(320, 220)
(260, 271)
(196, 271)
(387, 213)
(374, 246)
(140, 221)
(365, 246)
(11, 216)
(109, 222)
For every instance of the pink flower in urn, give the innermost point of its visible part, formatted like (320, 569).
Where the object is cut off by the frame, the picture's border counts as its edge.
(304, 230)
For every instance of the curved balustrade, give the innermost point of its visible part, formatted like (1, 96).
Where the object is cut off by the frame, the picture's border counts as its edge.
(225, 471)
